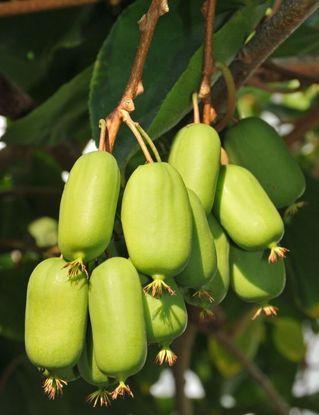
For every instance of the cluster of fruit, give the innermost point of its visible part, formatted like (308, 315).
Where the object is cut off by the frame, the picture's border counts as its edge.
(189, 225)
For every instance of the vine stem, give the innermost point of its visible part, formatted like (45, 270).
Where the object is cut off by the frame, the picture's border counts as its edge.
(303, 124)
(134, 87)
(269, 35)
(132, 126)
(205, 87)
(11, 8)
(183, 348)
(276, 400)
(215, 327)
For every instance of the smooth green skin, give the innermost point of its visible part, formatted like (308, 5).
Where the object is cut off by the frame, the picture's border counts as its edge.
(219, 285)
(157, 220)
(245, 211)
(195, 154)
(254, 279)
(56, 315)
(88, 206)
(117, 318)
(87, 364)
(202, 264)
(255, 145)
(165, 316)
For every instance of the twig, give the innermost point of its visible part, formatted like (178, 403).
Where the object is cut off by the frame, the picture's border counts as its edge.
(278, 403)
(11, 8)
(205, 88)
(255, 82)
(132, 126)
(306, 69)
(134, 86)
(183, 348)
(303, 124)
(269, 35)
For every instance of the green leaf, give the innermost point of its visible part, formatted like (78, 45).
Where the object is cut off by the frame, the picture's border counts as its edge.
(303, 42)
(63, 117)
(288, 338)
(41, 51)
(168, 85)
(302, 239)
(227, 42)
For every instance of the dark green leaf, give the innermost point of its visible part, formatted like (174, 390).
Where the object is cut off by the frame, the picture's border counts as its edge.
(64, 116)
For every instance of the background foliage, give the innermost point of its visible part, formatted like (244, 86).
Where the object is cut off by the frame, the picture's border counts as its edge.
(73, 64)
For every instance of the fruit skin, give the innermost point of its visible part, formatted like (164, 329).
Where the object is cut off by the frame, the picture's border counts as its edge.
(255, 145)
(87, 364)
(157, 220)
(56, 315)
(253, 278)
(196, 156)
(88, 205)
(245, 211)
(219, 285)
(165, 316)
(116, 313)
(202, 264)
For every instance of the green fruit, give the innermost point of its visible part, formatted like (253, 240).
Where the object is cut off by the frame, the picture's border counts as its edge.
(87, 364)
(157, 222)
(117, 318)
(254, 279)
(255, 145)
(219, 285)
(202, 264)
(196, 156)
(288, 338)
(213, 292)
(165, 320)
(246, 213)
(56, 314)
(92, 374)
(88, 207)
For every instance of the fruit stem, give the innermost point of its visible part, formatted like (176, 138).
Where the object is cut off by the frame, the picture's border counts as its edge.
(132, 126)
(166, 355)
(231, 95)
(149, 141)
(196, 108)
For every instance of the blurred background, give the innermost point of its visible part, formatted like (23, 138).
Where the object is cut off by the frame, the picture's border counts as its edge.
(63, 69)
